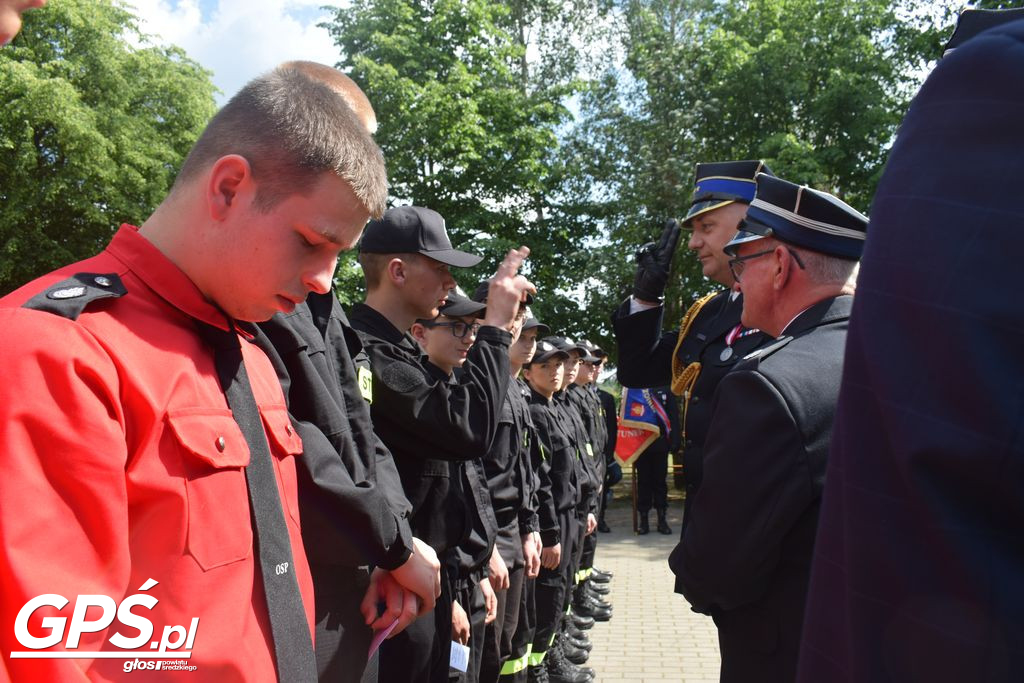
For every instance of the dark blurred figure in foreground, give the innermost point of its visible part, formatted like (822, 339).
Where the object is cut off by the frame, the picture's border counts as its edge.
(920, 552)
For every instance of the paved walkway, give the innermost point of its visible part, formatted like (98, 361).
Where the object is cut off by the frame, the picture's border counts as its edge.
(653, 636)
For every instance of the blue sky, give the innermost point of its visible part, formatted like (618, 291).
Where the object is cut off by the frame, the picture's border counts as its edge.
(239, 39)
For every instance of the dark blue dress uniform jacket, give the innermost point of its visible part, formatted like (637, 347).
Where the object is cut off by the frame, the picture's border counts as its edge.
(745, 556)
(645, 360)
(919, 567)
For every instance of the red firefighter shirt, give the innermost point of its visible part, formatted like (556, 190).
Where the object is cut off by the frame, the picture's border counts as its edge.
(122, 466)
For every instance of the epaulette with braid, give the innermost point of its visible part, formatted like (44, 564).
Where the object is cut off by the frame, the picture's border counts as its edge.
(683, 378)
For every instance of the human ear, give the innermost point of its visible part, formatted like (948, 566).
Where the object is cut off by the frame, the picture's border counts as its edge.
(228, 178)
(419, 333)
(395, 270)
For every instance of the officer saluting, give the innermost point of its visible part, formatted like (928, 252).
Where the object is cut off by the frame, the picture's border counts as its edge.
(745, 554)
(710, 338)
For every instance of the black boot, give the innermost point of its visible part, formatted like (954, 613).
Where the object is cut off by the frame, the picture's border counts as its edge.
(600, 576)
(577, 634)
(643, 528)
(579, 643)
(576, 655)
(537, 674)
(582, 622)
(602, 526)
(560, 669)
(663, 527)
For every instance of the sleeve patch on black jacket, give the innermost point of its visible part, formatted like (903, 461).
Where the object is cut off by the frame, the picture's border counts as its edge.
(401, 377)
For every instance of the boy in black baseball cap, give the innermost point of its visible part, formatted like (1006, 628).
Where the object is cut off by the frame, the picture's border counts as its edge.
(430, 426)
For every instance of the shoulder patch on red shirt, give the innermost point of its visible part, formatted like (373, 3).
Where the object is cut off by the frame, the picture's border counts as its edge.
(69, 298)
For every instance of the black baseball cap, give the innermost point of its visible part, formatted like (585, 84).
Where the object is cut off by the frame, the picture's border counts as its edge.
(567, 345)
(414, 230)
(592, 355)
(458, 305)
(531, 323)
(545, 350)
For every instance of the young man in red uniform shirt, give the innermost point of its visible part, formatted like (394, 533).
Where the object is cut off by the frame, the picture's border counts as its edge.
(122, 459)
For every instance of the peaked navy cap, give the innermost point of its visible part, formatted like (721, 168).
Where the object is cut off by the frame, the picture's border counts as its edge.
(971, 22)
(803, 217)
(413, 230)
(721, 183)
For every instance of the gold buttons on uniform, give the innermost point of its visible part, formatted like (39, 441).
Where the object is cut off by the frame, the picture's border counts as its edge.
(221, 444)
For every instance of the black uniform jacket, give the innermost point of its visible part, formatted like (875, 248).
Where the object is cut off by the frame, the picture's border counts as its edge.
(745, 555)
(474, 550)
(572, 425)
(645, 360)
(559, 453)
(427, 423)
(592, 451)
(918, 572)
(353, 510)
(537, 474)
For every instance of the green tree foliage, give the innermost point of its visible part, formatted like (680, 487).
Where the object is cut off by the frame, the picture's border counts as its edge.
(814, 87)
(92, 132)
(469, 124)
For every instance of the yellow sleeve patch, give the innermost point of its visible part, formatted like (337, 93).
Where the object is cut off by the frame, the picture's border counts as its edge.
(365, 379)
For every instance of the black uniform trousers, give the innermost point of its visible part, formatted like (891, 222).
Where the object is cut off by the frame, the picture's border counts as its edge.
(651, 488)
(553, 586)
(469, 596)
(421, 653)
(514, 669)
(498, 635)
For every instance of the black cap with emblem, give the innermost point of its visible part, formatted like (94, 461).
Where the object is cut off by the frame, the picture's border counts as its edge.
(803, 217)
(414, 230)
(546, 350)
(721, 183)
(567, 345)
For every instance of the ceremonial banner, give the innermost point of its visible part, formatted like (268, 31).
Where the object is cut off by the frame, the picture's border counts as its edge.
(639, 424)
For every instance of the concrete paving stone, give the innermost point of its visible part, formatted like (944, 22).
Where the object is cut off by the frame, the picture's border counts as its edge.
(653, 635)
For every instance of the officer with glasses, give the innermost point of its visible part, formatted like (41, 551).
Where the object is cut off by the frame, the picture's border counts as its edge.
(745, 554)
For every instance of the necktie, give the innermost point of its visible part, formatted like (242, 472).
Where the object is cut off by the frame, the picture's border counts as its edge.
(293, 648)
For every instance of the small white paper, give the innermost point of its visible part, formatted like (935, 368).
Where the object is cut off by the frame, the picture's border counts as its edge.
(460, 657)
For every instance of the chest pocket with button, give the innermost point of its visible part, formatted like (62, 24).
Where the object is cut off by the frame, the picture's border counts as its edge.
(215, 455)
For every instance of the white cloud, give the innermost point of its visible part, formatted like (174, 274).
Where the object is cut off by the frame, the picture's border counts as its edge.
(239, 39)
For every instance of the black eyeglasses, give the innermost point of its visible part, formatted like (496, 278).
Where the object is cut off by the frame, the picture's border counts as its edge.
(737, 264)
(458, 328)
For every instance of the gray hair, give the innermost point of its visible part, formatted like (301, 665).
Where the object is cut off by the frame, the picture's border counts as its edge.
(291, 128)
(824, 269)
